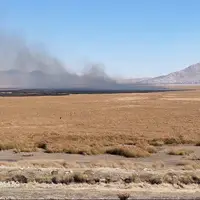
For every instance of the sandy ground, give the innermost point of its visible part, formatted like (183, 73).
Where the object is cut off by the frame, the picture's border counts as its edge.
(105, 160)
(142, 191)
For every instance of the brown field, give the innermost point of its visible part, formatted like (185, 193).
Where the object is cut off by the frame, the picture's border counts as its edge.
(122, 124)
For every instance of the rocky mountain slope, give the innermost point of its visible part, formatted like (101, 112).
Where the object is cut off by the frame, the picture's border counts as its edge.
(189, 75)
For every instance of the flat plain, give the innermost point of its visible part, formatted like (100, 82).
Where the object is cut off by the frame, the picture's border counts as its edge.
(62, 146)
(92, 124)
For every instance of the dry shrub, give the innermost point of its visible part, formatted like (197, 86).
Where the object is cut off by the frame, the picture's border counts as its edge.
(63, 179)
(42, 145)
(189, 178)
(195, 157)
(151, 149)
(196, 178)
(69, 178)
(158, 165)
(143, 144)
(180, 152)
(186, 179)
(131, 179)
(44, 179)
(198, 144)
(156, 142)
(24, 149)
(129, 152)
(20, 178)
(170, 178)
(6, 146)
(123, 196)
(188, 165)
(171, 141)
(151, 178)
(155, 179)
(79, 177)
(75, 149)
(184, 163)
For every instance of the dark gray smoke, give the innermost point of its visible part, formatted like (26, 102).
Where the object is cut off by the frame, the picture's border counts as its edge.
(24, 66)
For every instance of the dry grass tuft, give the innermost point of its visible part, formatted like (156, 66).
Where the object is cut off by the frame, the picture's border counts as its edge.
(123, 196)
(188, 165)
(42, 145)
(198, 144)
(20, 179)
(151, 178)
(80, 178)
(133, 178)
(172, 141)
(6, 146)
(180, 152)
(129, 152)
(156, 142)
(158, 165)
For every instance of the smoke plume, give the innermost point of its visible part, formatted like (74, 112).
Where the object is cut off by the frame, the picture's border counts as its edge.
(23, 66)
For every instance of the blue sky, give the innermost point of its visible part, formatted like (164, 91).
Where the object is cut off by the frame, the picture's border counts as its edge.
(132, 38)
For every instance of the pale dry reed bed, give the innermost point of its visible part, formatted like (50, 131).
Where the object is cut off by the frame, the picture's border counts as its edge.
(177, 178)
(131, 125)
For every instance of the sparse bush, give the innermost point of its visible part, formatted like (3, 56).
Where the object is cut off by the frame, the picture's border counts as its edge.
(151, 149)
(57, 180)
(170, 178)
(171, 141)
(108, 179)
(198, 144)
(151, 178)
(196, 178)
(16, 151)
(131, 179)
(20, 179)
(156, 143)
(79, 178)
(180, 152)
(184, 163)
(155, 179)
(42, 145)
(186, 179)
(188, 165)
(68, 179)
(24, 149)
(128, 152)
(6, 146)
(158, 165)
(123, 196)
(44, 179)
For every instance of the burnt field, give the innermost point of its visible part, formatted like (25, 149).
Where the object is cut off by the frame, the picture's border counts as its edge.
(62, 92)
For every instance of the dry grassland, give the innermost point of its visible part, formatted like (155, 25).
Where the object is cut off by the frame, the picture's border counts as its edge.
(124, 124)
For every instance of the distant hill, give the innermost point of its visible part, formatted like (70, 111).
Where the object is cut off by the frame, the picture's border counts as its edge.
(189, 75)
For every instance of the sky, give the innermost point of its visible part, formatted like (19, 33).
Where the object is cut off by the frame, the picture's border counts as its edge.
(130, 38)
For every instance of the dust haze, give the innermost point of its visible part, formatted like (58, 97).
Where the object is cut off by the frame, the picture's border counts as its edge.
(24, 66)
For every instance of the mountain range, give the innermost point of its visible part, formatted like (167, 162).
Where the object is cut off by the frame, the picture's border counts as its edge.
(189, 75)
